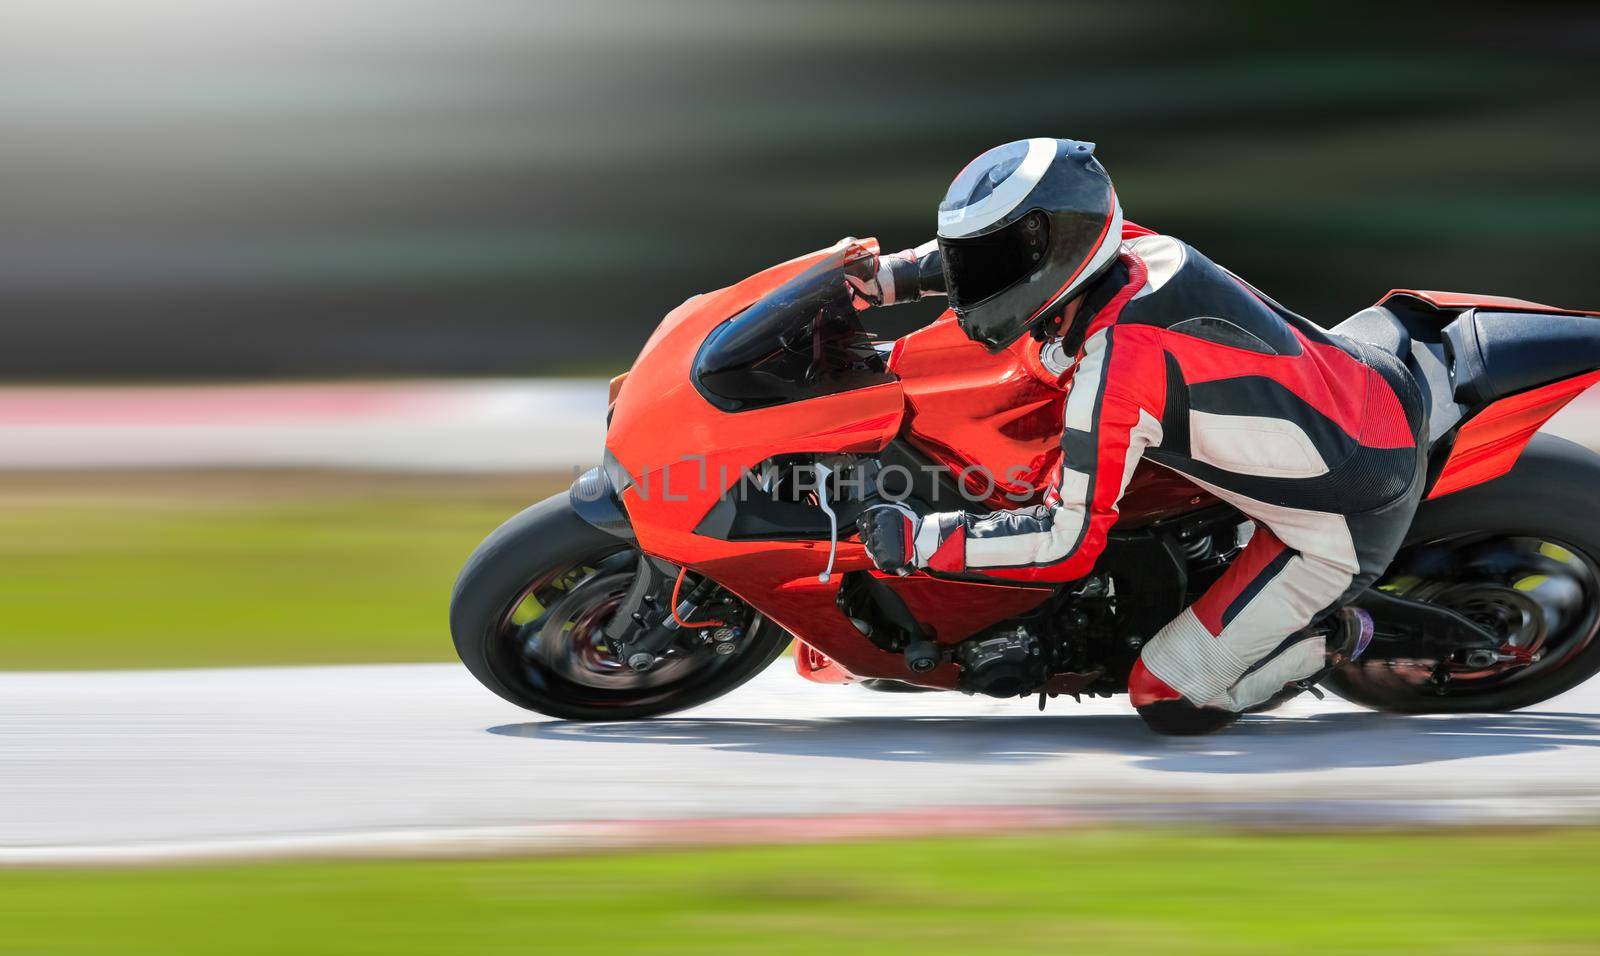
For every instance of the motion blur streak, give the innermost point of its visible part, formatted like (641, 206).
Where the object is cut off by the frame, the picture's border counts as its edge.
(147, 766)
(442, 426)
(476, 186)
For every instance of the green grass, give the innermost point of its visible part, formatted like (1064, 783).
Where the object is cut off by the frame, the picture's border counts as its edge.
(1144, 893)
(189, 570)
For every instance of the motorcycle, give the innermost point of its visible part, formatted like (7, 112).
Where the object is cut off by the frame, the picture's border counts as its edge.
(760, 419)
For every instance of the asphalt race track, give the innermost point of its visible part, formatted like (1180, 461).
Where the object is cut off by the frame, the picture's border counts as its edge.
(98, 767)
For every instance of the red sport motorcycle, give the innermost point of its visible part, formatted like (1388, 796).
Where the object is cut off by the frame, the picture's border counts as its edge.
(761, 418)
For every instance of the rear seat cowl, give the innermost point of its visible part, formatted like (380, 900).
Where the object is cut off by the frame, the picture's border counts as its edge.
(1498, 353)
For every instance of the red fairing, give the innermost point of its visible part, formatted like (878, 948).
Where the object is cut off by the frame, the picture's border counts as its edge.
(992, 420)
(1469, 300)
(683, 453)
(1489, 444)
(814, 665)
(956, 609)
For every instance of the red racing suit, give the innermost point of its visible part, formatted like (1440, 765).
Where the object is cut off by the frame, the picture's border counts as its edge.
(1314, 437)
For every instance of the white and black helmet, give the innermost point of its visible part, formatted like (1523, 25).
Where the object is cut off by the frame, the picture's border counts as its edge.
(1022, 230)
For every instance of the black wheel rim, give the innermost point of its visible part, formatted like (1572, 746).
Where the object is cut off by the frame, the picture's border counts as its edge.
(1541, 596)
(550, 641)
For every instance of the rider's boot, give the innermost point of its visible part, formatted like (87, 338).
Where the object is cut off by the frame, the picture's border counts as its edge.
(1167, 712)
(1349, 633)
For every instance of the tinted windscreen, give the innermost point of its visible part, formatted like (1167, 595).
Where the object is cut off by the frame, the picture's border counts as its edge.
(978, 268)
(800, 341)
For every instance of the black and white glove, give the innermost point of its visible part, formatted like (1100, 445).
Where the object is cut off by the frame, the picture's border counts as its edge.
(888, 280)
(889, 533)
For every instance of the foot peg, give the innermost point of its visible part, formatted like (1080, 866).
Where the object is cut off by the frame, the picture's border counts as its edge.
(1308, 687)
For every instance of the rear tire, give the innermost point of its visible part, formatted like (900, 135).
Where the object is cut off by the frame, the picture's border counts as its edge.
(1549, 496)
(549, 542)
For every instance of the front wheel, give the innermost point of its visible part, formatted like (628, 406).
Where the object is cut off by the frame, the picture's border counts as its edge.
(528, 615)
(1520, 556)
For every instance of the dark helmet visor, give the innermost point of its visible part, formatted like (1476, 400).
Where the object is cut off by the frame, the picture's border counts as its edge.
(977, 268)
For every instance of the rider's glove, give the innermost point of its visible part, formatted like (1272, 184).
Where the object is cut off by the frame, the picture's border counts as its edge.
(899, 539)
(889, 533)
(888, 280)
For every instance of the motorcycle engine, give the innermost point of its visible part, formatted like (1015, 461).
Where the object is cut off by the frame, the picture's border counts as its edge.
(1006, 662)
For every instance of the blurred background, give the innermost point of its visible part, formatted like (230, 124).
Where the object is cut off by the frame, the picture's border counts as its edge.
(369, 188)
(300, 299)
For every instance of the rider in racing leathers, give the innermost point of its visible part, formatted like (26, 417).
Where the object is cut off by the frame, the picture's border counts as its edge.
(1312, 436)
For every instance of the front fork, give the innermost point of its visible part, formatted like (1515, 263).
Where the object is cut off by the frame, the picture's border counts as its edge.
(648, 620)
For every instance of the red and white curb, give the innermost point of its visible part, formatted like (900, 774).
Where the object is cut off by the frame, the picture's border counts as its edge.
(691, 833)
(489, 425)
(481, 425)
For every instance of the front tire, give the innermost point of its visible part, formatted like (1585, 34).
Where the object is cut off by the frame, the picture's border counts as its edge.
(526, 612)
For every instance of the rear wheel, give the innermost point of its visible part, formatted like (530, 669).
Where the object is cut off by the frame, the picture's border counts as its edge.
(1521, 557)
(528, 616)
